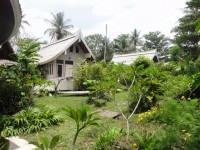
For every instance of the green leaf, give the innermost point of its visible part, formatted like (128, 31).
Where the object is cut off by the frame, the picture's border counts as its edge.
(44, 141)
(198, 26)
(34, 143)
(55, 141)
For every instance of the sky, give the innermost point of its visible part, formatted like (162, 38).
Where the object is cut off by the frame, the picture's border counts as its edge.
(91, 16)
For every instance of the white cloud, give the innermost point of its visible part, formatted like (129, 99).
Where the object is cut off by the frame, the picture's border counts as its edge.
(122, 16)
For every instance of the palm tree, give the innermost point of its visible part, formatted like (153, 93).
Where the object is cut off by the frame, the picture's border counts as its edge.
(59, 26)
(134, 37)
(122, 44)
(23, 22)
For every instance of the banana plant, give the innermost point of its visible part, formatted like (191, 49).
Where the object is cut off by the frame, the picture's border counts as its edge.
(43, 143)
(82, 120)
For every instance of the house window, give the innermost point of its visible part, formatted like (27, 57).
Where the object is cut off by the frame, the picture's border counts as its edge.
(77, 49)
(71, 49)
(69, 62)
(59, 61)
(50, 69)
(60, 70)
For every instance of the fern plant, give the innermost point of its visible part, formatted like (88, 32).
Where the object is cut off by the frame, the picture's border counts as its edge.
(31, 120)
(82, 120)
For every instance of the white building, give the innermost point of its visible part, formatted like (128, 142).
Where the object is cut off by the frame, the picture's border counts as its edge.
(60, 59)
(129, 58)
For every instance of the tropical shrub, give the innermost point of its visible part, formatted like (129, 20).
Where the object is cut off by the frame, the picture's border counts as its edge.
(82, 120)
(108, 139)
(150, 80)
(180, 120)
(10, 96)
(158, 139)
(142, 61)
(31, 120)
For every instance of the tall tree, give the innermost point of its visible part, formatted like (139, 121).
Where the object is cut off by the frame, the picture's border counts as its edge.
(186, 37)
(59, 26)
(156, 40)
(122, 44)
(96, 43)
(135, 38)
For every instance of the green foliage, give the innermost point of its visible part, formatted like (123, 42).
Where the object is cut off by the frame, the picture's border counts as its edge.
(122, 44)
(182, 116)
(4, 143)
(31, 120)
(82, 120)
(107, 140)
(96, 43)
(186, 37)
(176, 86)
(158, 139)
(156, 40)
(11, 91)
(142, 61)
(43, 143)
(146, 142)
(175, 53)
(89, 72)
(59, 26)
(127, 43)
(10, 97)
(182, 119)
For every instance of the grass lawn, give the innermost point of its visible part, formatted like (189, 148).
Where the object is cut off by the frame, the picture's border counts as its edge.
(87, 137)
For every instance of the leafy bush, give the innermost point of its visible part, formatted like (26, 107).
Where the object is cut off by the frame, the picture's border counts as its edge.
(10, 96)
(89, 71)
(142, 61)
(31, 120)
(108, 139)
(159, 139)
(148, 81)
(176, 86)
(172, 112)
(181, 122)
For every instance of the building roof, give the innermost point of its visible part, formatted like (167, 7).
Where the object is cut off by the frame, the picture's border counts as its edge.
(54, 50)
(7, 62)
(10, 18)
(129, 58)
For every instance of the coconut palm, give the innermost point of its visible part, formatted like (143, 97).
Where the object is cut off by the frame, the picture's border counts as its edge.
(23, 22)
(122, 44)
(59, 26)
(134, 38)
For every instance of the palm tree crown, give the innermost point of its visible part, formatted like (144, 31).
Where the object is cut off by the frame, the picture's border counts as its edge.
(59, 26)
(135, 37)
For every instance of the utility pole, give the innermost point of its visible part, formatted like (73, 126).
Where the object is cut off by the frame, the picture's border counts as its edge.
(105, 50)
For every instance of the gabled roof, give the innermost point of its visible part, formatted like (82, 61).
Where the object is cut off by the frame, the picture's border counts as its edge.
(129, 58)
(54, 50)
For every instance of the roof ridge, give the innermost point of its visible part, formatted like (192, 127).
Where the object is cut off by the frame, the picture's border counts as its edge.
(138, 53)
(61, 40)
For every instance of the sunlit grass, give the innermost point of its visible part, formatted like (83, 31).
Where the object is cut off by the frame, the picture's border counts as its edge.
(86, 139)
